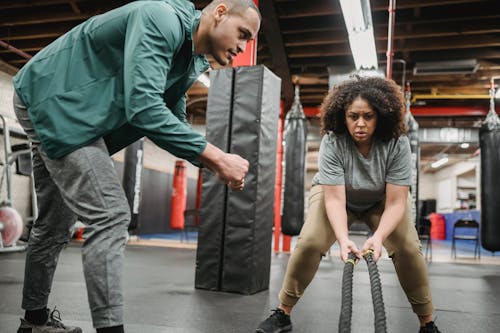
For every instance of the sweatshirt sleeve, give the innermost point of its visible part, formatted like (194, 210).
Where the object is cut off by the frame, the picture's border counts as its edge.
(154, 34)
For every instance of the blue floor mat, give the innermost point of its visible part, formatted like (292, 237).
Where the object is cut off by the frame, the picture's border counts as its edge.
(192, 236)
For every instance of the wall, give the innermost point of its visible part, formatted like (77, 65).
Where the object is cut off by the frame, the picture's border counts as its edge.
(446, 182)
(426, 186)
(6, 92)
(158, 159)
(21, 198)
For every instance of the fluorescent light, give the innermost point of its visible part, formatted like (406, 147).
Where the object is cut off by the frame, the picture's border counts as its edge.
(440, 162)
(353, 15)
(465, 145)
(358, 21)
(363, 49)
(203, 78)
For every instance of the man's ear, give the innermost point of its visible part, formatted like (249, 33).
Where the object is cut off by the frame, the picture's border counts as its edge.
(220, 12)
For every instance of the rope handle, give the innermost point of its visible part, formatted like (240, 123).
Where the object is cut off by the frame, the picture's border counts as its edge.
(376, 290)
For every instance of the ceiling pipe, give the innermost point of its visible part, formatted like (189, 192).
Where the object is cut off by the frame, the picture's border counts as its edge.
(426, 111)
(417, 97)
(15, 50)
(390, 37)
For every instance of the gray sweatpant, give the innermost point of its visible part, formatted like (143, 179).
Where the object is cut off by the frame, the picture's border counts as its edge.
(83, 185)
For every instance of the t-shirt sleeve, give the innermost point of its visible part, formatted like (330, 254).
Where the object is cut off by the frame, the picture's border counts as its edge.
(399, 163)
(331, 167)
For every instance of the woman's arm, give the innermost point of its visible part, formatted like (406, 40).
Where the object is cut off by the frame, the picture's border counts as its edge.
(395, 205)
(335, 204)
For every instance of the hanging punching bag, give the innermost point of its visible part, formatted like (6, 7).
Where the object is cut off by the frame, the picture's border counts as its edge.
(489, 141)
(415, 155)
(294, 150)
(179, 196)
(132, 175)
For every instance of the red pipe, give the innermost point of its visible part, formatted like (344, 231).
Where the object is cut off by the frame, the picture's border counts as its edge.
(15, 50)
(457, 111)
(390, 37)
(427, 111)
(311, 111)
(287, 240)
(278, 183)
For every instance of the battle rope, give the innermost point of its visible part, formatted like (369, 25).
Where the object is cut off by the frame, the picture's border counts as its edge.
(376, 289)
(346, 308)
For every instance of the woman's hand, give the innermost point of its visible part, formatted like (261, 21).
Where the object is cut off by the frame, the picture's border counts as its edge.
(373, 243)
(346, 247)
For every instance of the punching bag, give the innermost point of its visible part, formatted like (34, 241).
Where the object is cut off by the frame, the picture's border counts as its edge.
(132, 175)
(489, 141)
(179, 195)
(415, 155)
(294, 150)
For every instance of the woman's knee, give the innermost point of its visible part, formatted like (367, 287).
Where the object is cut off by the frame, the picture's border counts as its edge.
(312, 245)
(405, 249)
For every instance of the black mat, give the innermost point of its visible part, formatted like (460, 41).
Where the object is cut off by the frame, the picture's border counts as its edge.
(160, 296)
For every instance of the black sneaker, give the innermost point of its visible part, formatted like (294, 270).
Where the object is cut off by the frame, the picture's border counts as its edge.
(430, 327)
(53, 325)
(278, 322)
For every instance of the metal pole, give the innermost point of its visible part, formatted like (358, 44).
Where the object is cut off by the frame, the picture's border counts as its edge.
(15, 50)
(390, 37)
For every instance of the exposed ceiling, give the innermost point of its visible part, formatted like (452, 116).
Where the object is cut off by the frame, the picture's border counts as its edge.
(300, 39)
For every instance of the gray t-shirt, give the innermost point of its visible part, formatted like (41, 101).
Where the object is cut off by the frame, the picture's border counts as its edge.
(365, 178)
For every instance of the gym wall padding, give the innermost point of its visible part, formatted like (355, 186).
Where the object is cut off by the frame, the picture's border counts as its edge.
(234, 239)
(294, 155)
(154, 217)
(132, 175)
(489, 142)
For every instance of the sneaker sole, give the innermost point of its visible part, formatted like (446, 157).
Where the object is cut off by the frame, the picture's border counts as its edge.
(281, 330)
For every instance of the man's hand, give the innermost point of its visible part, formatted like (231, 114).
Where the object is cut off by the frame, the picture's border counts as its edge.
(346, 247)
(373, 243)
(237, 186)
(230, 168)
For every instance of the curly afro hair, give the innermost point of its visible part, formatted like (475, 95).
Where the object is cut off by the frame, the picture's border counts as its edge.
(384, 96)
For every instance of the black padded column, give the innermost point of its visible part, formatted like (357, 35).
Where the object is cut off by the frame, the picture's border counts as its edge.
(234, 241)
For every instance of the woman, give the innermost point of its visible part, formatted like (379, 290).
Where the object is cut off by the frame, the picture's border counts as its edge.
(364, 175)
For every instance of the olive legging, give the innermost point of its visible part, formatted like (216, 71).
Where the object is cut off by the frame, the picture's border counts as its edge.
(316, 238)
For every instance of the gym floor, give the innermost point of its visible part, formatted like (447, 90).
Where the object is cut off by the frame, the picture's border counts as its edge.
(160, 295)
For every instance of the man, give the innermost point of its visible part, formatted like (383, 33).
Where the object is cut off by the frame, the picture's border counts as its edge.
(115, 78)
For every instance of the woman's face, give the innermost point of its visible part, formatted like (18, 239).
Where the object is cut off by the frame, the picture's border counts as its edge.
(361, 121)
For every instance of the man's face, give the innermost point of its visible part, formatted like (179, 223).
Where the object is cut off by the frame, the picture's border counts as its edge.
(231, 33)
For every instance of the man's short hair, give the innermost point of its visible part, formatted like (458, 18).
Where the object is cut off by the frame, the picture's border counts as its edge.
(234, 6)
